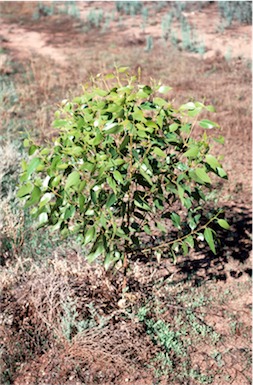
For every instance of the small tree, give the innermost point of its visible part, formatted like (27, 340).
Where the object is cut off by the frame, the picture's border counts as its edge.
(124, 166)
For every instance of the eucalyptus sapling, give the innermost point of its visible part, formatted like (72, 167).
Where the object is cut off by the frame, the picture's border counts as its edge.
(123, 168)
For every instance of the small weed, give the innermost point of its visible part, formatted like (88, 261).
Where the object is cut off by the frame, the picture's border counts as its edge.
(201, 378)
(95, 18)
(228, 54)
(190, 41)
(8, 93)
(174, 39)
(107, 23)
(129, 7)
(70, 323)
(145, 14)
(217, 356)
(149, 44)
(43, 10)
(174, 339)
(160, 5)
(166, 25)
(178, 8)
(68, 7)
(71, 9)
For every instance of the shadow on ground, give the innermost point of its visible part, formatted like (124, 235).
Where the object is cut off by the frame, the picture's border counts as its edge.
(233, 251)
(232, 258)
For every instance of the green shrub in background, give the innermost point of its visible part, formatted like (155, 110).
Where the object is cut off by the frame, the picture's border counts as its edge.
(240, 11)
(67, 7)
(124, 167)
(129, 7)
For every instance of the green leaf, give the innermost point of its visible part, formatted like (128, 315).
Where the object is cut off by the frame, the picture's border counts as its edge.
(26, 142)
(25, 190)
(142, 95)
(138, 115)
(141, 203)
(160, 102)
(210, 108)
(73, 179)
(90, 213)
(109, 76)
(123, 69)
(159, 152)
(74, 151)
(185, 248)
(100, 92)
(112, 184)
(94, 254)
(146, 176)
(180, 193)
(90, 235)
(164, 89)
(43, 218)
(222, 173)
(201, 173)
(159, 120)
(111, 200)
(112, 128)
(173, 127)
(212, 161)
(118, 177)
(190, 241)
(62, 166)
(148, 90)
(208, 124)
(176, 220)
(33, 165)
(32, 149)
(111, 258)
(70, 211)
(208, 234)
(24, 165)
(35, 197)
(45, 199)
(220, 139)
(192, 152)
(194, 112)
(124, 142)
(151, 124)
(81, 201)
(186, 128)
(161, 227)
(59, 123)
(223, 223)
(93, 196)
(188, 106)
(147, 230)
(147, 106)
(98, 139)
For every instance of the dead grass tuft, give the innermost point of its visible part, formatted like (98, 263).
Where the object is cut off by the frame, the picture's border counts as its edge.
(66, 319)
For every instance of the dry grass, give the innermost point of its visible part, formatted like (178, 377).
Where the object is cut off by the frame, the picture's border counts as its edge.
(68, 308)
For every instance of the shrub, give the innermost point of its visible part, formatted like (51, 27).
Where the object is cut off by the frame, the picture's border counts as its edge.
(129, 7)
(236, 10)
(124, 167)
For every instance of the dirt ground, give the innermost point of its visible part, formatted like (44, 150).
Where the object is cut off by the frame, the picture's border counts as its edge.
(55, 54)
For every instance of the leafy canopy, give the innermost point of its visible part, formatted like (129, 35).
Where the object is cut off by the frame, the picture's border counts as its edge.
(123, 168)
